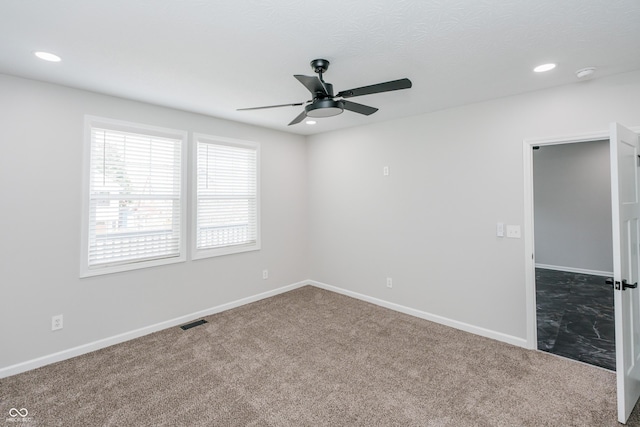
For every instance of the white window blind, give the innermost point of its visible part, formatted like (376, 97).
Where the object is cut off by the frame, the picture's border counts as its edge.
(135, 198)
(226, 214)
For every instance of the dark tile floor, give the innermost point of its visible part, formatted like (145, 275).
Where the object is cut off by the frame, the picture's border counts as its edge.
(575, 317)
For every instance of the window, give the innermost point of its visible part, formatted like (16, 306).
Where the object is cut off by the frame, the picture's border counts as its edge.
(134, 198)
(226, 197)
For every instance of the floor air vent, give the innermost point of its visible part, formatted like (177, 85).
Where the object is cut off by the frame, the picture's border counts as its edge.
(193, 324)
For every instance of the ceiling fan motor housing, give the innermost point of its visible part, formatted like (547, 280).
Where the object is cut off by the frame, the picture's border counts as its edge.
(329, 89)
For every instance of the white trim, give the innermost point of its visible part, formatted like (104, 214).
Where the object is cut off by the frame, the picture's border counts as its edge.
(575, 270)
(116, 339)
(488, 333)
(137, 333)
(178, 134)
(530, 271)
(529, 244)
(569, 139)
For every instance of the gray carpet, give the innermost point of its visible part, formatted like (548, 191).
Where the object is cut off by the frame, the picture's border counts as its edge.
(311, 357)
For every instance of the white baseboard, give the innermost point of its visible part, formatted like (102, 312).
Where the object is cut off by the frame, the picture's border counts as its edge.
(106, 342)
(488, 333)
(575, 270)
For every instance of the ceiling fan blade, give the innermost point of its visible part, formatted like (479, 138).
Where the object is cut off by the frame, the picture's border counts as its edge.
(272, 106)
(359, 108)
(298, 119)
(313, 84)
(377, 88)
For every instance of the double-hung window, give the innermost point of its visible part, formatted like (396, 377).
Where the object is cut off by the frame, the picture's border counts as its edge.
(134, 196)
(226, 196)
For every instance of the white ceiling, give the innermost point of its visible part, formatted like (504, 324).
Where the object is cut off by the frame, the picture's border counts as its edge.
(213, 57)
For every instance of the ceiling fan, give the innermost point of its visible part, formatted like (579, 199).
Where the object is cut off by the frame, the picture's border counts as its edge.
(324, 102)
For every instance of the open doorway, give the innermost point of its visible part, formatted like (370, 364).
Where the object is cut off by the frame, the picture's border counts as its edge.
(573, 251)
(624, 144)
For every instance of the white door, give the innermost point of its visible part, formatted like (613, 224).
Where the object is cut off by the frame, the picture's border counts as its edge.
(626, 213)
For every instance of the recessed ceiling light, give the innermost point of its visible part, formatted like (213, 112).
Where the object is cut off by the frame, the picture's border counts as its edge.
(544, 67)
(311, 122)
(47, 56)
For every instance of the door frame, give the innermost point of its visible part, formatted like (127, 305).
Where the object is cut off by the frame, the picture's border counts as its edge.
(528, 232)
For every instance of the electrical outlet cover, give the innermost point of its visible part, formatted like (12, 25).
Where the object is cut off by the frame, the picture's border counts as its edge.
(56, 322)
(513, 231)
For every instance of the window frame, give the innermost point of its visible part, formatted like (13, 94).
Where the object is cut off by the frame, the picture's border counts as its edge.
(197, 253)
(124, 126)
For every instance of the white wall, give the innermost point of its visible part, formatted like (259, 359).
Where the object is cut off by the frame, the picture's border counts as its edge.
(328, 213)
(430, 225)
(572, 197)
(41, 146)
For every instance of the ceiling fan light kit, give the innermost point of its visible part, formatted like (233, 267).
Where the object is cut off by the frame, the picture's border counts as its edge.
(324, 102)
(324, 108)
